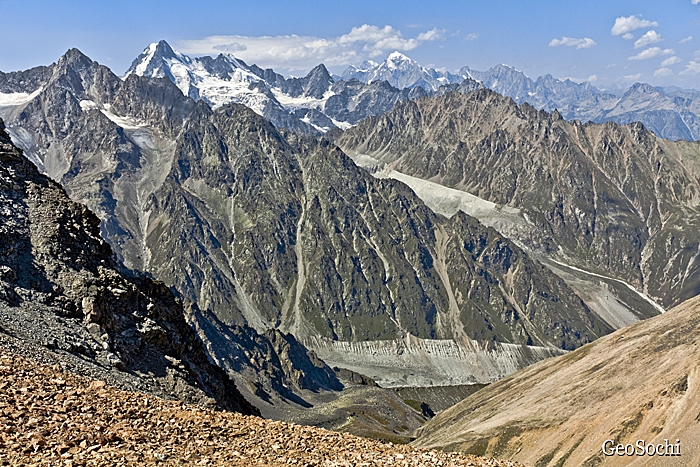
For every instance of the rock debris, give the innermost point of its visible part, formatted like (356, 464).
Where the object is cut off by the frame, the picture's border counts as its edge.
(49, 417)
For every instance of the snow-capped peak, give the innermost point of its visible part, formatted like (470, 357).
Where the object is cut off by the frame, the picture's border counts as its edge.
(153, 59)
(396, 58)
(401, 72)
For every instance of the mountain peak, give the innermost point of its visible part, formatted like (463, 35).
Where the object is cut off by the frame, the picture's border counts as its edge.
(150, 61)
(320, 69)
(396, 59)
(397, 56)
(162, 49)
(73, 56)
(642, 88)
(401, 72)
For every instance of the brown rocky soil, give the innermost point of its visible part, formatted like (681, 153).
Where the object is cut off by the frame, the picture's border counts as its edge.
(50, 417)
(639, 383)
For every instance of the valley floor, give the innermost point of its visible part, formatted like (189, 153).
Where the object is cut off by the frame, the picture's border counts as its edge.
(50, 417)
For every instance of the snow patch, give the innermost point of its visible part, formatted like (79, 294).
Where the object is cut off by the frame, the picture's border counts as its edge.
(17, 98)
(128, 123)
(141, 67)
(301, 102)
(342, 125)
(88, 105)
(308, 121)
(25, 141)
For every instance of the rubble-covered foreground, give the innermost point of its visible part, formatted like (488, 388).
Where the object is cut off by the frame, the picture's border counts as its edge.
(49, 417)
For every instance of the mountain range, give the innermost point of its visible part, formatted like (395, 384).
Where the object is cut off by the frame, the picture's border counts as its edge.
(669, 113)
(320, 102)
(275, 230)
(313, 104)
(431, 237)
(613, 200)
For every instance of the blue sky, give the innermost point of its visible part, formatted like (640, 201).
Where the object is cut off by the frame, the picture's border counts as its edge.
(609, 43)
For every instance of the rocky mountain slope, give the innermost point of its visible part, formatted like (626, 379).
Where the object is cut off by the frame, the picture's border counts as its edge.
(61, 289)
(86, 318)
(313, 104)
(613, 201)
(43, 413)
(636, 384)
(272, 230)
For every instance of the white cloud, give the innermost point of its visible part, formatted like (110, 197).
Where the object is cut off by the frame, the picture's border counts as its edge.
(628, 37)
(671, 61)
(592, 78)
(472, 37)
(692, 68)
(663, 72)
(294, 53)
(432, 35)
(695, 2)
(634, 77)
(651, 53)
(584, 43)
(625, 25)
(687, 39)
(651, 37)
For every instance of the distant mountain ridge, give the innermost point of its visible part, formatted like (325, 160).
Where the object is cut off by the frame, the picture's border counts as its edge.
(320, 102)
(672, 114)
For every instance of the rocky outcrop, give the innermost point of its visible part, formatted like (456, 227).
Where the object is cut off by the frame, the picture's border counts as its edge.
(55, 265)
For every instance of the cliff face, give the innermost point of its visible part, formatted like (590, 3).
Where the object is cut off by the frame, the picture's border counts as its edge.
(60, 288)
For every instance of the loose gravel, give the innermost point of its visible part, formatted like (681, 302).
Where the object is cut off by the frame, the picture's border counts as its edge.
(49, 418)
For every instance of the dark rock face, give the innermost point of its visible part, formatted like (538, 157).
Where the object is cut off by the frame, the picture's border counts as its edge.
(52, 256)
(272, 365)
(617, 199)
(24, 81)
